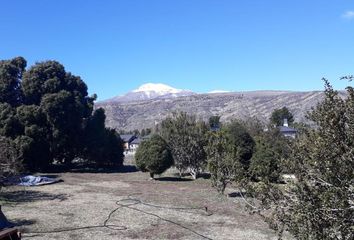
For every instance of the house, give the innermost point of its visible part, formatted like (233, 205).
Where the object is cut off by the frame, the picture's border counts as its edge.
(286, 130)
(135, 144)
(127, 139)
(131, 142)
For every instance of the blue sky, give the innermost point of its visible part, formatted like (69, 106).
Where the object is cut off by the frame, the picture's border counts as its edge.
(201, 45)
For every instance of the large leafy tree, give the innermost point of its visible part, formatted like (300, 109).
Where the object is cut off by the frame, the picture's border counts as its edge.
(322, 206)
(64, 100)
(229, 152)
(47, 113)
(223, 165)
(186, 138)
(320, 203)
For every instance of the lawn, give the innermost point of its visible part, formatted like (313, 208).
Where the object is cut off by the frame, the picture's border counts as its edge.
(127, 205)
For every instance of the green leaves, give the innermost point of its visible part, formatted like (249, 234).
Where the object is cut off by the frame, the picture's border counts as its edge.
(320, 203)
(186, 137)
(278, 116)
(48, 113)
(10, 78)
(153, 155)
(228, 153)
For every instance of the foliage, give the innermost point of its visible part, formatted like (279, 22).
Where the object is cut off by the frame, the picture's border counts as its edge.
(10, 79)
(186, 138)
(222, 163)
(229, 152)
(265, 162)
(145, 132)
(9, 122)
(46, 112)
(278, 116)
(33, 143)
(320, 203)
(9, 162)
(153, 156)
(253, 126)
(241, 141)
(271, 157)
(214, 122)
(102, 143)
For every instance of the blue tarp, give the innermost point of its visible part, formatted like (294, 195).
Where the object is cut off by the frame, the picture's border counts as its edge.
(36, 180)
(29, 180)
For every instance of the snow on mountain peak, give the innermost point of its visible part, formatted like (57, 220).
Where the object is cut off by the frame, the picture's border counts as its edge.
(219, 91)
(158, 88)
(150, 91)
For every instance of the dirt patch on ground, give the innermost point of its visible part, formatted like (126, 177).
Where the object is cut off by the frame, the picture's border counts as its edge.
(136, 208)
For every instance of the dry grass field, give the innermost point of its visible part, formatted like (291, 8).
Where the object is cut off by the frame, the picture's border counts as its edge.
(167, 208)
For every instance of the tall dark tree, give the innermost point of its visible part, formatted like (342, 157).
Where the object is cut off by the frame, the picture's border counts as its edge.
(278, 116)
(102, 146)
(64, 115)
(47, 113)
(64, 100)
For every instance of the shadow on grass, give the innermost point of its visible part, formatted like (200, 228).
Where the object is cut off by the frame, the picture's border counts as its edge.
(204, 175)
(237, 194)
(23, 196)
(173, 179)
(200, 175)
(22, 222)
(90, 168)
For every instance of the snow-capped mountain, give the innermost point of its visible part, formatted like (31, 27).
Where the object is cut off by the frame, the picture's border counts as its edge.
(219, 91)
(150, 91)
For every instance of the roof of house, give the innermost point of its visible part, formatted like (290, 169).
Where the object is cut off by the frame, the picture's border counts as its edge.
(284, 129)
(136, 141)
(128, 137)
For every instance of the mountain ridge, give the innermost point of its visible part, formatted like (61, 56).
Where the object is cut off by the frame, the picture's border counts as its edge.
(242, 105)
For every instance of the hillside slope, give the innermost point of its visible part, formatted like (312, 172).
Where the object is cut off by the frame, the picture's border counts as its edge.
(242, 105)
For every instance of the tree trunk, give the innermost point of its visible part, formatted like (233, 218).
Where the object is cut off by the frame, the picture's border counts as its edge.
(180, 173)
(151, 176)
(194, 174)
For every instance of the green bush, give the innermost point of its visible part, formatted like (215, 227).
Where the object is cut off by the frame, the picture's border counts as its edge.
(153, 156)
